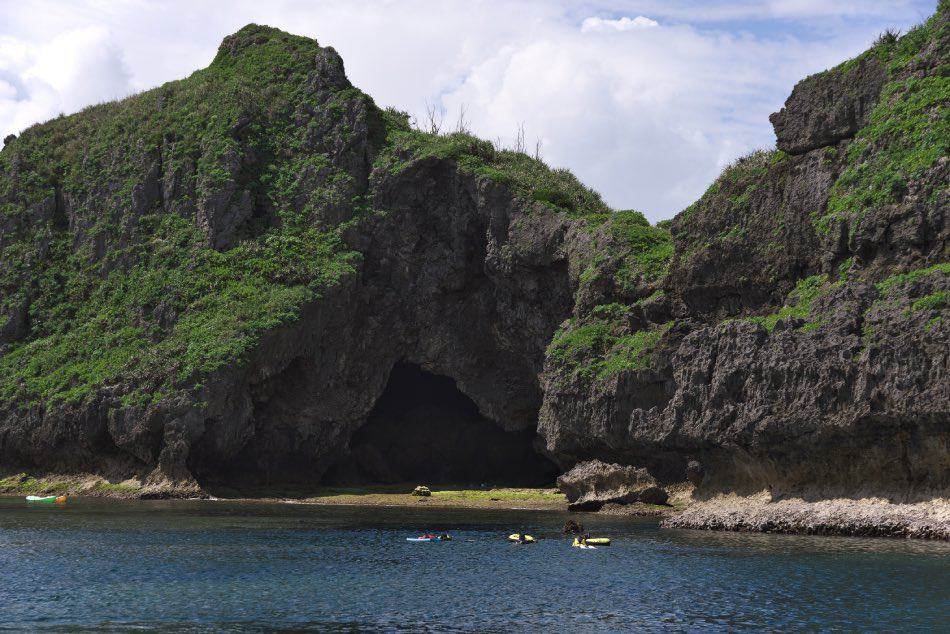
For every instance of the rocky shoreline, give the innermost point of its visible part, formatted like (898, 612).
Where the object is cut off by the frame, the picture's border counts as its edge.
(861, 517)
(865, 517)
(456, 496)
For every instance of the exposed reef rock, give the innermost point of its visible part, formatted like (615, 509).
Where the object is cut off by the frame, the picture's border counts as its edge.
(257, 275)
(590, 485)
(866, 517)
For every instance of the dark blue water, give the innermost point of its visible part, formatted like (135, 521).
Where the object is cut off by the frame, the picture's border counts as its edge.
(210, 566)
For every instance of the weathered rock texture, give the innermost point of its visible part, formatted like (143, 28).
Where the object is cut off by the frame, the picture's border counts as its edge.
(827, 108)
(213, 282)
(592, 484)
(868, 517)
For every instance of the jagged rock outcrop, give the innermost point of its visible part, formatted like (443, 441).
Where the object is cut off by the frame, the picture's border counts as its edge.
(592, 484)
(746, 242)
(827, 108)
(213, 282)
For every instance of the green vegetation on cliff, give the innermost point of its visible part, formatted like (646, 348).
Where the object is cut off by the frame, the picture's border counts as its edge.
(907, 287)
(155, 240)
(887, 284)
(799, 305)
(129, 284)
(602, 344)
(742, 217)
(908, 132)
(149, 242)
(738, 181)
(644, 250)
(629, 254)
(528, 177)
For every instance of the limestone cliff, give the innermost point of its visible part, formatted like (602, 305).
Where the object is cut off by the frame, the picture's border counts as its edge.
(232, 276)
(215, 278)
(798, 346)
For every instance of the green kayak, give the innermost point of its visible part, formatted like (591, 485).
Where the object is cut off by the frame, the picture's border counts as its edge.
(47, 499)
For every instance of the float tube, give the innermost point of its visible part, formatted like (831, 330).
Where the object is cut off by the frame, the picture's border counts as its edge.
(516, 537)
(430, 538)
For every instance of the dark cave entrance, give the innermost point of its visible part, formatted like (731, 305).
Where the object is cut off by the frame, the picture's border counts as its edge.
(424, 430)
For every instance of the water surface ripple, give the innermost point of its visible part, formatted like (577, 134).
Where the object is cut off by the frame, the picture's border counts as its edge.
(210, 566)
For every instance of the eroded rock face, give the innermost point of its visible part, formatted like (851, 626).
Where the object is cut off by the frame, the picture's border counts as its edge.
(459, 278)
(592, 484)
(445, 269)
(848, 398)
(746, 242)
(452, 281)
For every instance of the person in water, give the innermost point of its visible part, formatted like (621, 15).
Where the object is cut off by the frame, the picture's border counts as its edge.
(521, 538)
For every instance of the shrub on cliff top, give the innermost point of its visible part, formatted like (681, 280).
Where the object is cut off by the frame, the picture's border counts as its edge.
(527, 177)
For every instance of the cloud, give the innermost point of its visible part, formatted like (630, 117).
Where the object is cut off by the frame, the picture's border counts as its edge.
(595, 24)
(708, 11)
(74, 69)
(650, 120)
(645, 100)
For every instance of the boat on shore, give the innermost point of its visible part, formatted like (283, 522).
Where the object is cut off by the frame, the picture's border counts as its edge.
(47, 499)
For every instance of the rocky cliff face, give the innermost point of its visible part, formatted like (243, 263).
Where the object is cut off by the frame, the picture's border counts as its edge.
(807, 356)
(214, 280)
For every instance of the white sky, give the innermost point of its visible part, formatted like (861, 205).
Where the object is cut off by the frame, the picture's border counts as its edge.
(645, 100)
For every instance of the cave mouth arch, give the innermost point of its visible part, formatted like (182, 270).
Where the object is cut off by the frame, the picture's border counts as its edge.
(423, 429)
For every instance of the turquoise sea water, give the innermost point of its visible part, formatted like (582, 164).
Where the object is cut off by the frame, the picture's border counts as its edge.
(210, 566)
